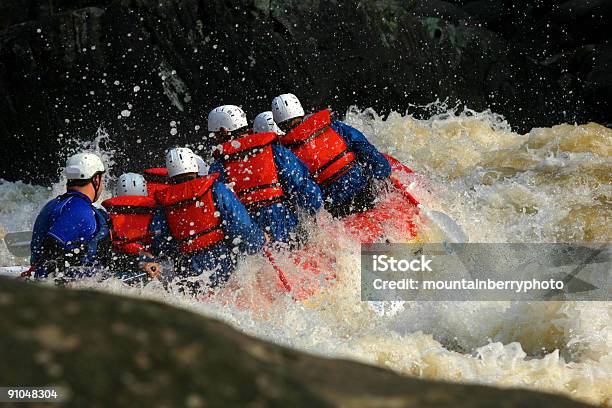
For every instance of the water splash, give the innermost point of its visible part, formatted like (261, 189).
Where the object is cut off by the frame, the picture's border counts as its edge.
(551, 184)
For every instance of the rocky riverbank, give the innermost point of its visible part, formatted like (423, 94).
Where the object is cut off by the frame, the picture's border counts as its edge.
(148, 71)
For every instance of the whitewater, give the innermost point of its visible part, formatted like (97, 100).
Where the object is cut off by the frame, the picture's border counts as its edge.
(548, 185)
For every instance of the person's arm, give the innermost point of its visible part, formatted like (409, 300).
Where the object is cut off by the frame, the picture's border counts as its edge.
(376, 164)
(103, 254)
(237, 223)
(217, 167)
(296, 181)
(163, 242)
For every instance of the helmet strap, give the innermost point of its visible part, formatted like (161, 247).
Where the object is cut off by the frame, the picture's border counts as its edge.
(181, 178)
(290, 124)
(237, 132)
(96, 185)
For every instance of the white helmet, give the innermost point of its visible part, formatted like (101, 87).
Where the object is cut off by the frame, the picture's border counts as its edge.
(264, 122)
(181, 160)
(202, 166)
(83, 166)
(286, 107)
(229, 117)
(131, 184)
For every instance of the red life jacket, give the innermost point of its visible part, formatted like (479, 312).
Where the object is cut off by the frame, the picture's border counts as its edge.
(191, 213)
(249, 164)
(157, 179)
(130, 218)
(317, 144)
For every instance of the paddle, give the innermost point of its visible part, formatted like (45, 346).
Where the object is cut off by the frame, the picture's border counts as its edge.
(279, 271)
(453, 232)
(12, 271)
(18, 243)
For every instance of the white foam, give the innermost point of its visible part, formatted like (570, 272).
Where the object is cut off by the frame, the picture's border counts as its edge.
(544, 186)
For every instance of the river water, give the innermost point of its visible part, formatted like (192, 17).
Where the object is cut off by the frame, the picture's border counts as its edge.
(549, 185)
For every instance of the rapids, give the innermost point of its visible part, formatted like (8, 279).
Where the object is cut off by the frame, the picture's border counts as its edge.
(549, 185)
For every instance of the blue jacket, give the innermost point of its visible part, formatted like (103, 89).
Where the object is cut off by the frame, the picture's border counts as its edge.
(71, 221)
(243, 236)
(280, 220)
(371, 164)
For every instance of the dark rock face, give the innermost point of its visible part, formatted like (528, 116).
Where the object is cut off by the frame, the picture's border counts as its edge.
(148, 71)
(108, 351)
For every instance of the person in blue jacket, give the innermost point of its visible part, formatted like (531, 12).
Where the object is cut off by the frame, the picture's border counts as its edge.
(203, 226)
(268, 179)
(339, 157)
(71, 236)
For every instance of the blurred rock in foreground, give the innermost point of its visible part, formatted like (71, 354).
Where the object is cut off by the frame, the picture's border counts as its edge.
(110, 351)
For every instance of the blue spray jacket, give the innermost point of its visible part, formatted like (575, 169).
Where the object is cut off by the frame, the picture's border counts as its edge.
(72, 223)
(280, 220)
(371, 164)
(243, 236)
